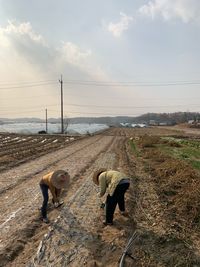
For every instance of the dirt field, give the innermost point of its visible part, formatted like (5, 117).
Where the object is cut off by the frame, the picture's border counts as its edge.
(164, 232)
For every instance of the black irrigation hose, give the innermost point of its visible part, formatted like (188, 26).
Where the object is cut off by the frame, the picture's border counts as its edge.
(129, 244)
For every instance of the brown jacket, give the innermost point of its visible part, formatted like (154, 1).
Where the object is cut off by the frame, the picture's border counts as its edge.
(46, 179)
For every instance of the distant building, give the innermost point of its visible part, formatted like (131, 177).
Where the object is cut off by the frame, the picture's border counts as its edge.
(153, 123)
(138, 125)
(191, 121)
(125, 124)
(163, 123)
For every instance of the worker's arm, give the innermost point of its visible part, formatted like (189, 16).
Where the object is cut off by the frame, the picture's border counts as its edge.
(102, 184)
(53, 192)
(58, 193)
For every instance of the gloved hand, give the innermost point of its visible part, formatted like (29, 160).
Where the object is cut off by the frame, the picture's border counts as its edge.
(102, 206)
(56, 204)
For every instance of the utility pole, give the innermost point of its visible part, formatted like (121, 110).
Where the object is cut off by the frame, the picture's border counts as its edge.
(61, 88)
(46, 121)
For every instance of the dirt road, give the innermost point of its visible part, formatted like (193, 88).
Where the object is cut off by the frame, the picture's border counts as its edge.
(75, 236)
(20, 196)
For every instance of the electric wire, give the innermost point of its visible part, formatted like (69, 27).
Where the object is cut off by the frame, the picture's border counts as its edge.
(26, 86)
(133, 84)
(24, 82)
(39, 83)
(97, 83)
(99, 106)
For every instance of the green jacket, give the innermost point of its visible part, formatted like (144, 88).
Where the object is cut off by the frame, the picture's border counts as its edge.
(109, 180)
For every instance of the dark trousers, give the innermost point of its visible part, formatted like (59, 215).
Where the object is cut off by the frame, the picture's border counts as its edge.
(44, 188)
(116, 198)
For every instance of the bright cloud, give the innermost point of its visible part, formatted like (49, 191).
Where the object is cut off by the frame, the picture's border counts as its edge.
(118, 28)
(20, 43)
(83, 60)
(23, 51)
(186, 10)
(22, 30)
(20, 49)
(74, 55)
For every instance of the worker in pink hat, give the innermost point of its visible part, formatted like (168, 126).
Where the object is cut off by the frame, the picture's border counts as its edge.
(53, 181)
(116, 184)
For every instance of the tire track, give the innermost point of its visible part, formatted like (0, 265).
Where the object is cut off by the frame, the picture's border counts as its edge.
(12, 178)
(25, 198)
(73, 230)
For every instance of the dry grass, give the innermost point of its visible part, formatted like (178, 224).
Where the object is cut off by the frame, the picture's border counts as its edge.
(148, 140)
(177, 183)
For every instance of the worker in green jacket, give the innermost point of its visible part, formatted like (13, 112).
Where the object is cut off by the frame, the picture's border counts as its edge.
(116, 184)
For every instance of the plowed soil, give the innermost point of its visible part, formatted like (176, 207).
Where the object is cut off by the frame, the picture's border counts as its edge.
(76, 235)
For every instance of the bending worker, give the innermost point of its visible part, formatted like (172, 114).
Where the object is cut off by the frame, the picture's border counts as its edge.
(116, 184)
(53, 181)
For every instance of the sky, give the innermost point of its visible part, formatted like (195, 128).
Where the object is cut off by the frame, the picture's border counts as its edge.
(114, 57)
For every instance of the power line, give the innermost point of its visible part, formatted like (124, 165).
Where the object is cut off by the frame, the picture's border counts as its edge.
(129, 84)
(101, 82)
(24, 82)
(87, 96)
(26, 86)
(30, 111)
(96, 106)
(32, 107)
(99, 113)
(77, 112)
(71, 112)
(98, 83)
(21, 97)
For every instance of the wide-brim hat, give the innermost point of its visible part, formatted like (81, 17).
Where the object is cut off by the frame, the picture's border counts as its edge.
(96, 175)
(60, 179)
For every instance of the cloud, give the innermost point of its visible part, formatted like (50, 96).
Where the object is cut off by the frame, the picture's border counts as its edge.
(21, 46)
(20, 50)
(19, 40)
(23, 30)
(74, 55)
(118, 28)
(84, 60)
(186, 10)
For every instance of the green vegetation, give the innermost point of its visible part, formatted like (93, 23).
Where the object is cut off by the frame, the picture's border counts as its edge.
(188, 150)
(178, 148)
(195, 164)
(134, 148)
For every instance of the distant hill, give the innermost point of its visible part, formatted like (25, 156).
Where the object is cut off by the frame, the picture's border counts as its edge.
(169, 118)
(20, 120)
